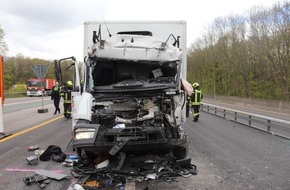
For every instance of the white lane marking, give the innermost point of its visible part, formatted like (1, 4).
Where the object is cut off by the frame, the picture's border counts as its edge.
(24, 102)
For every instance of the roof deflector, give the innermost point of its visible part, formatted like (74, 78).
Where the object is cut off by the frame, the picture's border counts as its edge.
(143, 33)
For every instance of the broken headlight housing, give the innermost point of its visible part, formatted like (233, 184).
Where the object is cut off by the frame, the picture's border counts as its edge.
(84, 133)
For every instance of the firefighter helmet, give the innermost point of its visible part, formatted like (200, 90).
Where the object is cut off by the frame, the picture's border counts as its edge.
(69, 83)
(195, 85)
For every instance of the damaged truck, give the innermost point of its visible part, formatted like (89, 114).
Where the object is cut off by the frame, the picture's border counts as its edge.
(128, 94)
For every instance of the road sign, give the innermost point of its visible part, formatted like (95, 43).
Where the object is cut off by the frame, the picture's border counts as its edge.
(40, 70)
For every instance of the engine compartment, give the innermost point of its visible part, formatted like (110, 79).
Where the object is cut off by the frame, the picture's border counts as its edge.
(129, 115)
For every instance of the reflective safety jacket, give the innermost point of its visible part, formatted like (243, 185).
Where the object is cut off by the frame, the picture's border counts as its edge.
(66, 94)
(196, 97)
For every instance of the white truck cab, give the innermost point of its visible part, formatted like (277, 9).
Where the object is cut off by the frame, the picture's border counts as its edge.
(132, 98)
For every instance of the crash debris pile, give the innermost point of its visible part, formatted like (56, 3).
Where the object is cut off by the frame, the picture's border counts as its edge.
(114, 172)
(108, 171)
(44, 177)
(52, 152)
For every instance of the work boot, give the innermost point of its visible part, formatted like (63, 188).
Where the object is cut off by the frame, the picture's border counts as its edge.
(54, 113)
(58, 110)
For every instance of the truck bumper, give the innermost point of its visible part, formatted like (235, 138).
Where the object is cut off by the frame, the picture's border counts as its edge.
(145, 139)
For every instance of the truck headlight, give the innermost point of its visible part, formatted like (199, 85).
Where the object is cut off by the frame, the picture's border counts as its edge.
(84, 133)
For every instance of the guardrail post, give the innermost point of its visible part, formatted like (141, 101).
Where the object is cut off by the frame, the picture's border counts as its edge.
(268, 126)
(235, 116)
(250, 120)
(224, 113)
(208, 108)
(215, 110)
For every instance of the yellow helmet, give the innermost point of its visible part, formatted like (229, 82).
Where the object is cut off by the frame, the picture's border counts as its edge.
(69, 83)
(195, 85)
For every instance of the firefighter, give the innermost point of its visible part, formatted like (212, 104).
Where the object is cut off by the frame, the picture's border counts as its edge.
(195, 101)
(66, 94)
(55, 96)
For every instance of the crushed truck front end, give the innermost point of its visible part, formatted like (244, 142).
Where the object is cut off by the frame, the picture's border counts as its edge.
(132, 99)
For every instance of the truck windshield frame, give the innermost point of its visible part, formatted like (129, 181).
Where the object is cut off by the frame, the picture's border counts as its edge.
(108, 72)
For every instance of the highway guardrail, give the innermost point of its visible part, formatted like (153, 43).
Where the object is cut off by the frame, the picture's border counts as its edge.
(271, 125)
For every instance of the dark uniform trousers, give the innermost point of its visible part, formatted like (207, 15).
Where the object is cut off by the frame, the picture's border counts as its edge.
(67, 103)
(195, 103)
(55, 96)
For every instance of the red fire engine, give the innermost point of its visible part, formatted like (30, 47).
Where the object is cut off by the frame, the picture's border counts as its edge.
(37, 87)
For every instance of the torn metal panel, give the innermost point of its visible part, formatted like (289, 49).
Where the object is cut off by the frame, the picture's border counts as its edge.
(135, 47)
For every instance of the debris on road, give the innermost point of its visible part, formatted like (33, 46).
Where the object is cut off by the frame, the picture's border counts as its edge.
(111, 171)
(43, 177)
(34, 179)
(32, 148)
(53, 152)
(40, 179)
(118, 170)
(68, 163)
(32, 160)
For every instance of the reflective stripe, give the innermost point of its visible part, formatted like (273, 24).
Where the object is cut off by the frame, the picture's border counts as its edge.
(196, 97)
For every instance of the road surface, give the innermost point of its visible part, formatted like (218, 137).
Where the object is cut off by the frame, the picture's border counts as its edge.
(228, 155)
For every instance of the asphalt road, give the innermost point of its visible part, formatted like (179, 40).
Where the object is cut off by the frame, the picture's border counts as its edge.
(22, 113)
(18, 104)
(228, 155)
(242, 157)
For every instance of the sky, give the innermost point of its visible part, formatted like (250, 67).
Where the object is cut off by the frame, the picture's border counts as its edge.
(53, 29)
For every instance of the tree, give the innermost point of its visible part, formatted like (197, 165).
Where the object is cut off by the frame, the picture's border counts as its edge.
(3, 45)
(18, 69)
(246, 56)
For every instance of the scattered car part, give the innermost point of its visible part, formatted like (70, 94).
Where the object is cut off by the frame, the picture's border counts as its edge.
(32, 160)
(34, 179)
(32, 148)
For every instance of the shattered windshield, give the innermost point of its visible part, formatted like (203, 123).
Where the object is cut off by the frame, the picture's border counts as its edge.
(120, 74)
